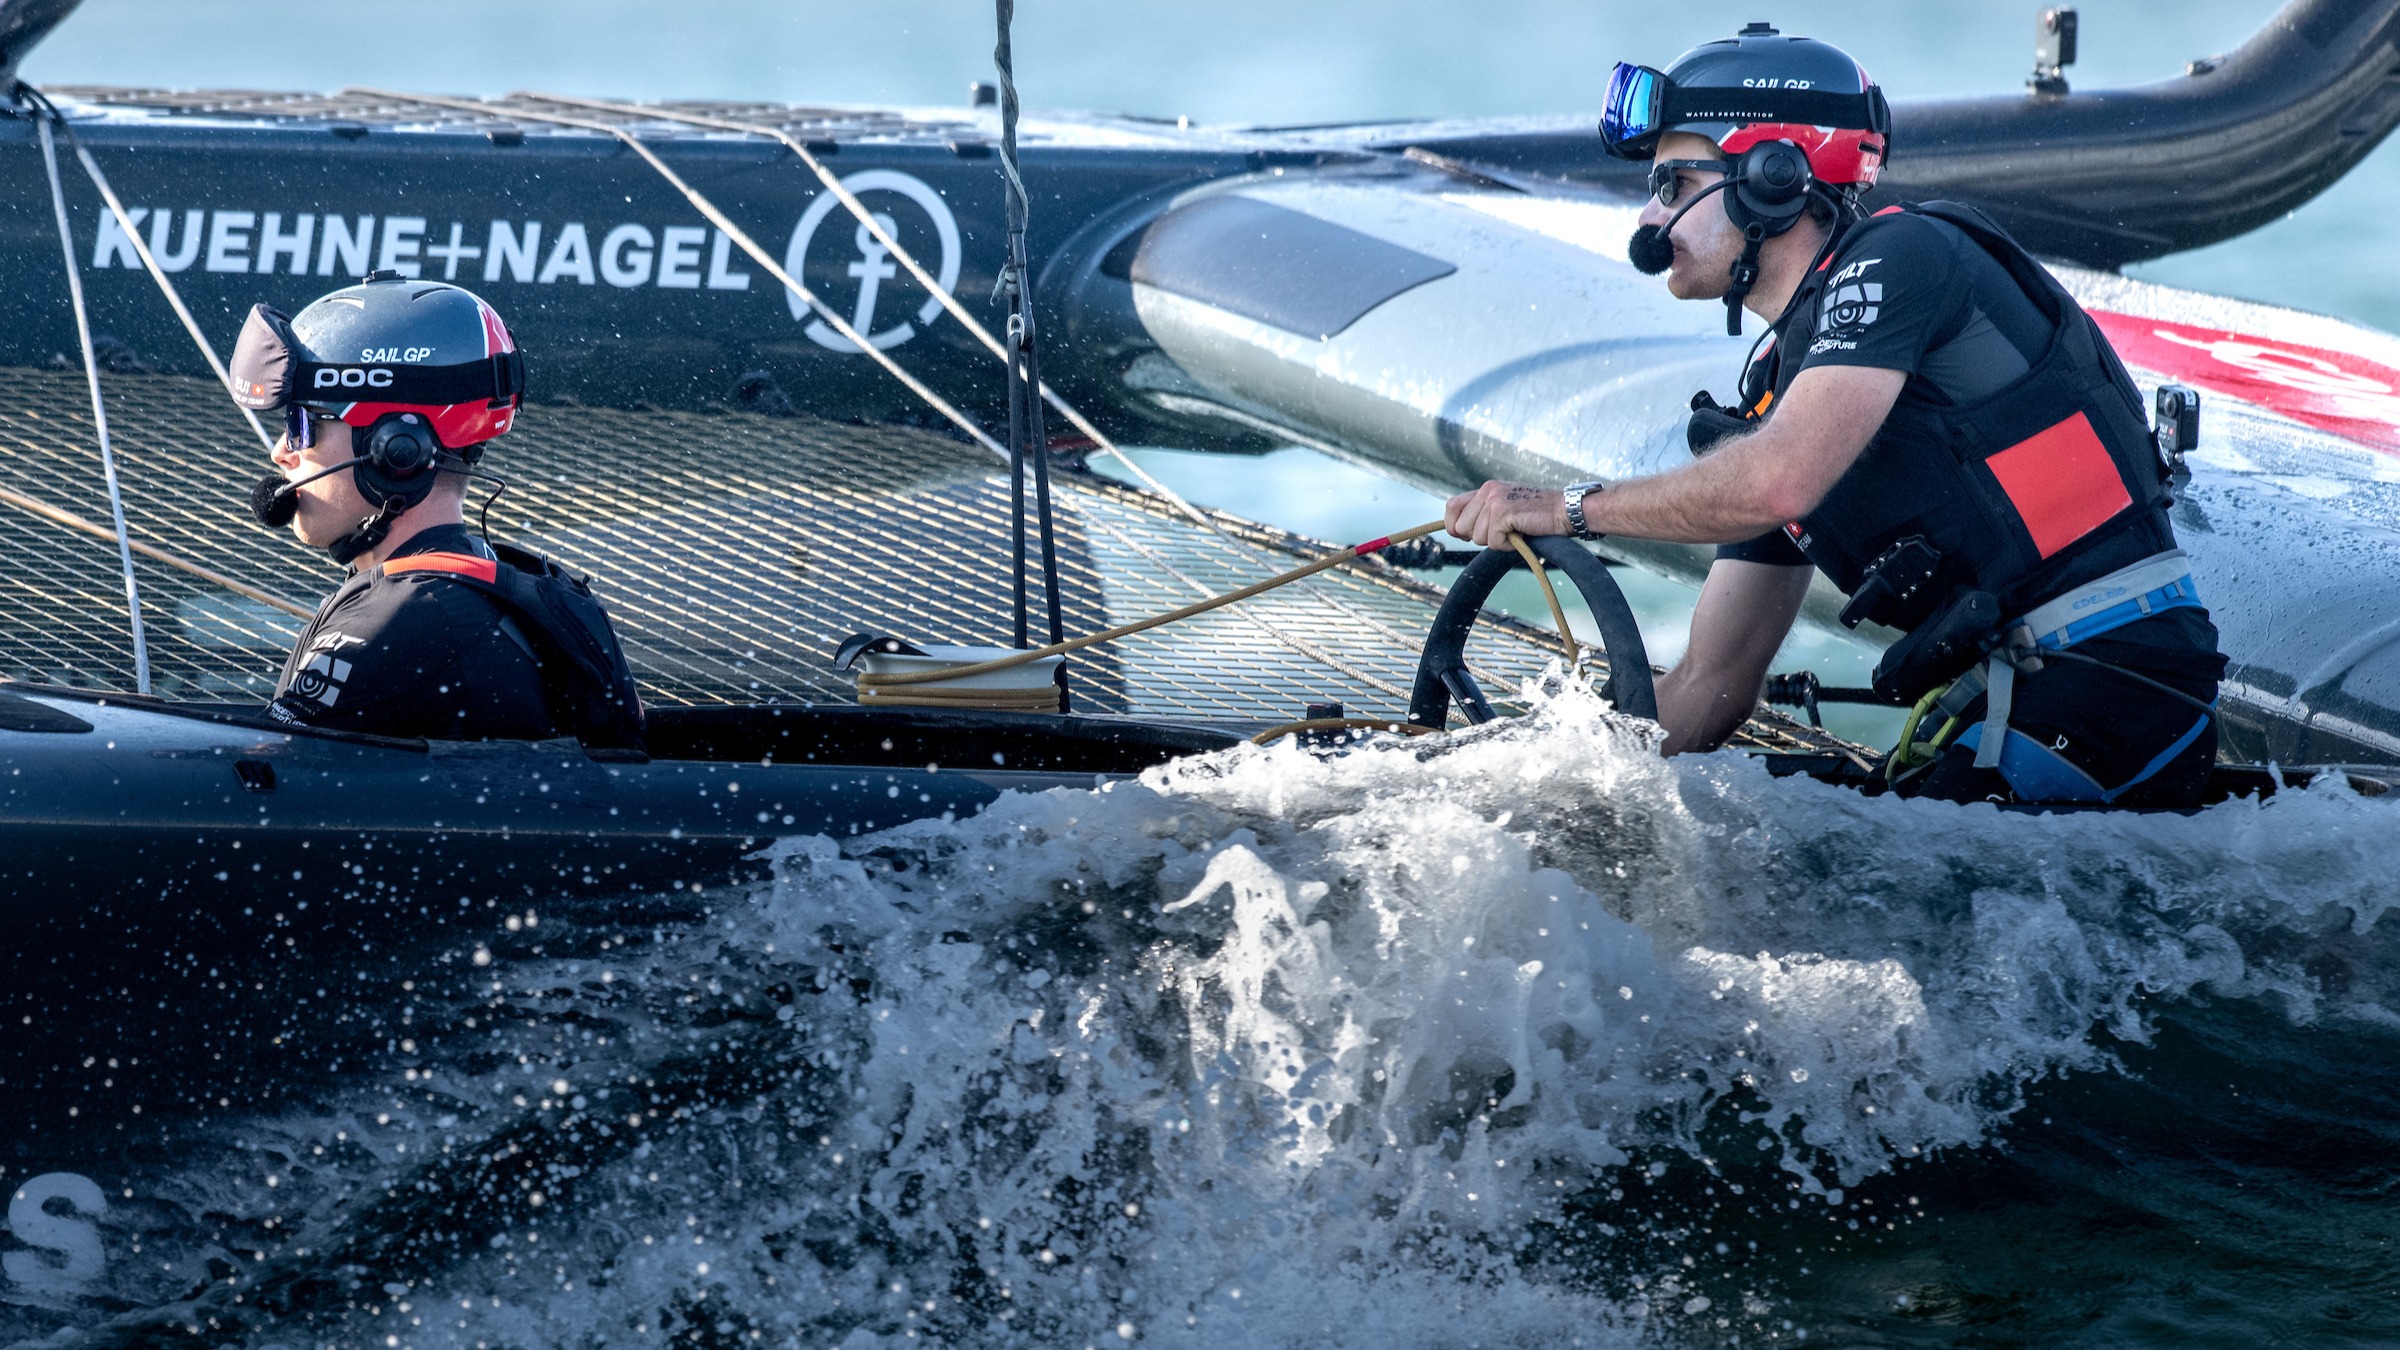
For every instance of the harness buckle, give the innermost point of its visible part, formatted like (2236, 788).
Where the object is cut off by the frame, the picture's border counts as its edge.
(2019, 648)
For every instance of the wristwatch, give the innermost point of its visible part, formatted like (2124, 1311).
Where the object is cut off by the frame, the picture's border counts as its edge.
(1575, 495)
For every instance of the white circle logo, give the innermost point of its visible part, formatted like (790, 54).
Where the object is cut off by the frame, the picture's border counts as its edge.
(875, 265)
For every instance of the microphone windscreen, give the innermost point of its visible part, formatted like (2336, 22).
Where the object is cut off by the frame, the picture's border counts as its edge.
(273, 502)
(1650, 251)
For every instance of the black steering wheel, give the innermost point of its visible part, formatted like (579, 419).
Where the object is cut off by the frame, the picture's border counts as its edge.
(1442, 670)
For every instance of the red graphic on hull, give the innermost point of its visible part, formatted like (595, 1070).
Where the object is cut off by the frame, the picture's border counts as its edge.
(2345, 394)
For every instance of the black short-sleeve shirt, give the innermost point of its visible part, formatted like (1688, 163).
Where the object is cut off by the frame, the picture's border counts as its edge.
(416, 654)
(1916, 295)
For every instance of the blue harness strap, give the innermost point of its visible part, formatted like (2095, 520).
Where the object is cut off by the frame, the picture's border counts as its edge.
(2129, 595)
(2037, 773)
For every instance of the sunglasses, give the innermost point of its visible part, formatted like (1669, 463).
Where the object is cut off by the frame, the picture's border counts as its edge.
(296, 431)
(1666, 182)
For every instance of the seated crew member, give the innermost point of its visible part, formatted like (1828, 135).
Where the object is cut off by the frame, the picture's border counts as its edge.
(391, 389)
(1933, 423)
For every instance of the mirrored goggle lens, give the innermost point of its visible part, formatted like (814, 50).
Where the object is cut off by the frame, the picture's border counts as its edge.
(296, 428)
(1632, 110)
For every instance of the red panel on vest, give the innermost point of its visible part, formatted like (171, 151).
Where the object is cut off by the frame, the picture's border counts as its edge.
(458, 564)
(2062, 483)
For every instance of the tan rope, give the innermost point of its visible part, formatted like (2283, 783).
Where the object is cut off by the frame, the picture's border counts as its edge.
(740, 237)
(75, 522)
(1342, 724)
(1043, 699)
(1558, 613)
(1292, 640)
(1015, 659)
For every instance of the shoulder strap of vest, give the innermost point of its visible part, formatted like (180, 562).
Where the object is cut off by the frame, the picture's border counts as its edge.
(590, 688)
(2039, 286)
(455, 564)
(2085, 340)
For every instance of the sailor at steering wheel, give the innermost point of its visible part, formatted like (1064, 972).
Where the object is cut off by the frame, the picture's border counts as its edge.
(1933, 422)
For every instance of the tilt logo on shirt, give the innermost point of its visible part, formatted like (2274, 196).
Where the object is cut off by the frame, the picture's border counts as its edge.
(1851, 303)
(320, 680)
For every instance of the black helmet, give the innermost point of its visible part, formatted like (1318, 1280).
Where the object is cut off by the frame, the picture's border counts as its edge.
(1754, 87)
(417, 368)
(387, 346)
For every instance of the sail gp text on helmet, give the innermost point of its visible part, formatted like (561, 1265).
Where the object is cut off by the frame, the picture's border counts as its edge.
(843, 264)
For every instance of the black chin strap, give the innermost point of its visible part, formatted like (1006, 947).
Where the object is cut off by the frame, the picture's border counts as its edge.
(1745, 268)
(369, 533)
(1745, 276)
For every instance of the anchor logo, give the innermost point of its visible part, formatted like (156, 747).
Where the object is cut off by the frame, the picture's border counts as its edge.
(875, 264)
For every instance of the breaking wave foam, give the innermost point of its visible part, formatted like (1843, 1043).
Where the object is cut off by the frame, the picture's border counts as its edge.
(1318, 1028)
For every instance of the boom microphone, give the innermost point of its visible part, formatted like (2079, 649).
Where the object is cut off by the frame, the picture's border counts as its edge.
(274, 500)
(1651, 251)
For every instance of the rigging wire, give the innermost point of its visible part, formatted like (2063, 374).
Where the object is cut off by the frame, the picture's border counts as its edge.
(1027, 436)
(91, 169)
(884, 238)
(736, 233)
(91, 375)
(842, 326)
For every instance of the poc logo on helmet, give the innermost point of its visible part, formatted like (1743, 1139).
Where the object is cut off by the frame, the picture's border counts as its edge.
(353, 378)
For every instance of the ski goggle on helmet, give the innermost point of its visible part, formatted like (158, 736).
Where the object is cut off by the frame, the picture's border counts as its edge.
(1756, 86)
(386, 346)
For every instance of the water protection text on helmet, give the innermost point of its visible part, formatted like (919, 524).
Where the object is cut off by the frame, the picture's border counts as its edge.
(1644, 104)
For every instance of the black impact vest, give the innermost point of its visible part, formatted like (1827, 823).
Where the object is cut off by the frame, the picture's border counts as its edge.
(2043, 485)
(585, 679)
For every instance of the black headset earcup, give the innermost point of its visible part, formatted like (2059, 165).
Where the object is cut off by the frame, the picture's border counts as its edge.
(1769, 188)
(397, 460)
